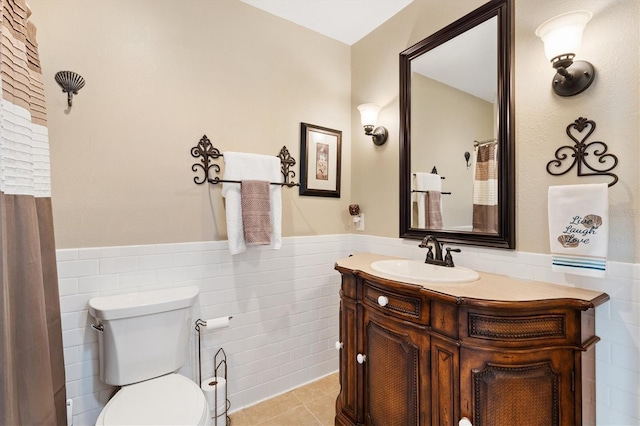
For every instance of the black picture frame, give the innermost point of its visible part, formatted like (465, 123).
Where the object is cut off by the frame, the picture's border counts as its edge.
(321, 152)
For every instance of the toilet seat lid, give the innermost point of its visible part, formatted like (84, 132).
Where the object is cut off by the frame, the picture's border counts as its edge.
(168, 400)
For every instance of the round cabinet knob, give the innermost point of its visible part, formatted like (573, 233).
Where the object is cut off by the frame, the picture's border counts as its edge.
(339, 346)
(361, 358)
(383, 300)
(464, 422)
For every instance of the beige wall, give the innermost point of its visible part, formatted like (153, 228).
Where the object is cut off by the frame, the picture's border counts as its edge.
(160, 74)
(610, 42)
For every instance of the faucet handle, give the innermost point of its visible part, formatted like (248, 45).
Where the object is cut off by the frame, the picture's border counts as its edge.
(448, 259)
(429, 252)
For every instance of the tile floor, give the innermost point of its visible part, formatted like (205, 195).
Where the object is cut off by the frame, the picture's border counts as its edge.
(310, 405)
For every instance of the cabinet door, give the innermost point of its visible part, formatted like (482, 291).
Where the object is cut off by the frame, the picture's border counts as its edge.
(396, 372)
(510, 388)
(445, 380)
(349, 404)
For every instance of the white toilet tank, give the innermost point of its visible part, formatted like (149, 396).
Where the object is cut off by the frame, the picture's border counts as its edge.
(144, 335)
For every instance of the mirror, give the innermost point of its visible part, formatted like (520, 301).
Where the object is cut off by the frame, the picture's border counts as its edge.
(457, 156)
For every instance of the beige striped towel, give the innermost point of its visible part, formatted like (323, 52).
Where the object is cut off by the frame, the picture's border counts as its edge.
(256, 212)
(433, 210)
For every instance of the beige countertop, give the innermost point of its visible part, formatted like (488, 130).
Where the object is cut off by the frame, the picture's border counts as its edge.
(489, 287)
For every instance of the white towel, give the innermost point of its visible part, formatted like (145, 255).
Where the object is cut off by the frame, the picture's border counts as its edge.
(579, 228)
(424, 182)
(240, 166)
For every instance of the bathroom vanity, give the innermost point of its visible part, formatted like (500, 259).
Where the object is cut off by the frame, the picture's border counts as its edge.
(497, 351)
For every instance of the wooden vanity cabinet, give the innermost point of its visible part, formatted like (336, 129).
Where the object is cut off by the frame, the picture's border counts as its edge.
(413, 356)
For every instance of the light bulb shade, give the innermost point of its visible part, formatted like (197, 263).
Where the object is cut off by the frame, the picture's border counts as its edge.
(369, 114)
(562, 35)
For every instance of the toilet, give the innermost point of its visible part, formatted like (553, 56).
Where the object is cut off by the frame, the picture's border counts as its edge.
(143, 340)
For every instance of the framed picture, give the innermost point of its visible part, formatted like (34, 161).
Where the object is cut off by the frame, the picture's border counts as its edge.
(321, 150)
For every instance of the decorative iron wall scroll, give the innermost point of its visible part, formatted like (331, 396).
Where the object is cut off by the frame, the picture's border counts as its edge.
(593, 155)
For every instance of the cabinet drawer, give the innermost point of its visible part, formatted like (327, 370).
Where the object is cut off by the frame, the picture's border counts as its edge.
(524, 328)
(402, 305)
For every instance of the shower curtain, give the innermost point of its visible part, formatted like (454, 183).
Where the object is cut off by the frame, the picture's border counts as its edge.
(485, 189)
(32, 379)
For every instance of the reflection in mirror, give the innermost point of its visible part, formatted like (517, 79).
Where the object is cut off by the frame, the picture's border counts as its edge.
(453, 106)
(457, 149)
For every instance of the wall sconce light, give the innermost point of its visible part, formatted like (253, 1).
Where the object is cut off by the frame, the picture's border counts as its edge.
(562, 37)
(369, 116)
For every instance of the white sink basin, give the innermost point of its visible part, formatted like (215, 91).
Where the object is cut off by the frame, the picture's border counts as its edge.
(420, 271)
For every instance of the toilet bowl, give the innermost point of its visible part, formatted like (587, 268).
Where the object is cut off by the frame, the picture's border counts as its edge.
(168, 400)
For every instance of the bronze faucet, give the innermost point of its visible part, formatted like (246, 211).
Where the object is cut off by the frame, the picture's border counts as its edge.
(437, 258)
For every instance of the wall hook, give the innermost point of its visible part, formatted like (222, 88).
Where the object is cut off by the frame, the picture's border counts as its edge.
(467, 156)
(70, 82)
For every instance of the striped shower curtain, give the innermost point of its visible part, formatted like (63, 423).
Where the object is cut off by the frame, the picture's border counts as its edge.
(485, 189)
(32, 379)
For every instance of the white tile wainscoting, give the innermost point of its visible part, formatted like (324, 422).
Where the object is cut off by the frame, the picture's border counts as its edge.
(285, 312)
(284, 305)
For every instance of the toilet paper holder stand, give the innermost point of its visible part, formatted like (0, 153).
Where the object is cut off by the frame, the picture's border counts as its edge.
(219, 361)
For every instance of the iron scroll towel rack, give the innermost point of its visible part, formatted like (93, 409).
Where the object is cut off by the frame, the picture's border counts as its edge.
(207, 153)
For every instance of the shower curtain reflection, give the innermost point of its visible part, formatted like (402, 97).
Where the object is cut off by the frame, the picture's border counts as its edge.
(485, 188)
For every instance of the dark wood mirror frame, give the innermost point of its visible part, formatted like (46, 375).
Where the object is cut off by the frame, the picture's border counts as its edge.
(506, 235)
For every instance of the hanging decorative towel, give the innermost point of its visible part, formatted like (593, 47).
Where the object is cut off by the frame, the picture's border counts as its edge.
(256, 211)
(579, 228)
(433, 210)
